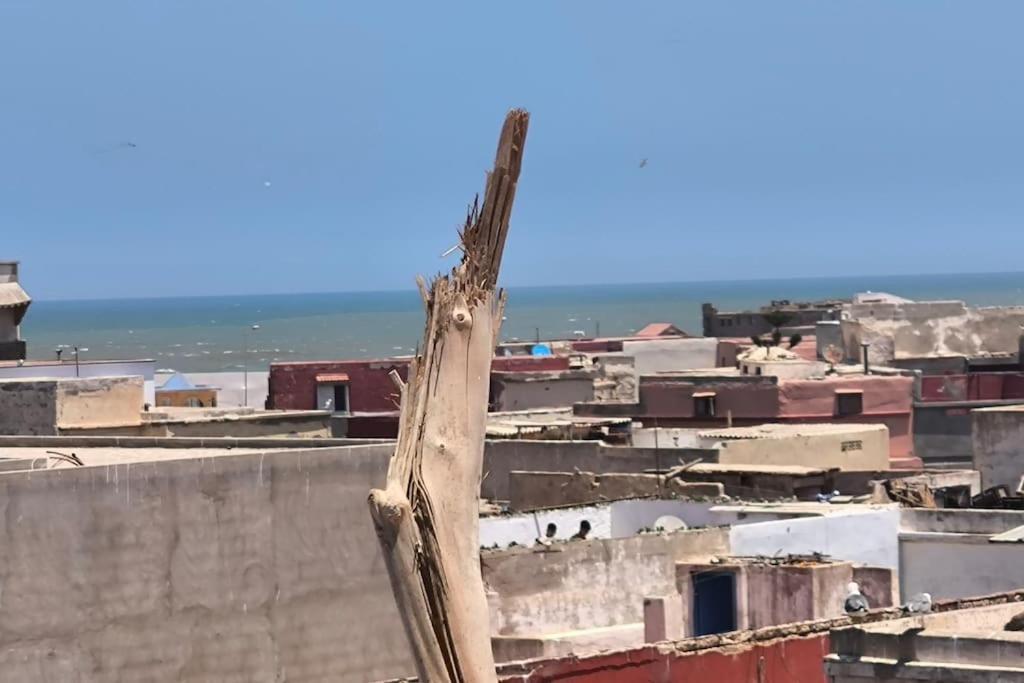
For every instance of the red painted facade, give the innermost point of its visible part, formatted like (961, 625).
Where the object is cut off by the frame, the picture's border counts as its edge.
(788, 660)
(371, 390)
(985, 386)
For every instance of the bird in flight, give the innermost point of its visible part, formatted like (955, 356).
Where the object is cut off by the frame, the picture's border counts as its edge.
(643, 163)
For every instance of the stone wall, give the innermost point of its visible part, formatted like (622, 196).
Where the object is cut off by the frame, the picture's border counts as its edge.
(257, 567)
(28, 407)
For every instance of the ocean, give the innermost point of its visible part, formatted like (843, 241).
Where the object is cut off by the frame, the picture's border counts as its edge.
(209, 334)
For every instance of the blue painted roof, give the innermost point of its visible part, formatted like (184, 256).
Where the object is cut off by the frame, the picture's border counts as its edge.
(177, 382)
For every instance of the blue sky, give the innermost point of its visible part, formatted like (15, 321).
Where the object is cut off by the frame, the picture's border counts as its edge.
(783, 139)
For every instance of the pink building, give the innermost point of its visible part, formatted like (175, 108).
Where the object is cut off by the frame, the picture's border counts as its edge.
(713, 400)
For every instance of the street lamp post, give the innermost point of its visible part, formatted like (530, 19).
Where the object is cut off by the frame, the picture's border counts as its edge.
(245, 364)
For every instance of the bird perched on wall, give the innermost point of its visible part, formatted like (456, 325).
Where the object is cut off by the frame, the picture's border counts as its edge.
(855, 603)
(919, 604)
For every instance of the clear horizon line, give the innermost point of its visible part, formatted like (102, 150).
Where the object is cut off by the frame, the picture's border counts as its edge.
(412, 288)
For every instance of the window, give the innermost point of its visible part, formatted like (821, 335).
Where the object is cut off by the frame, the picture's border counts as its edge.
(704, 404)
(849, 403)
(757, 370)
(340, 398)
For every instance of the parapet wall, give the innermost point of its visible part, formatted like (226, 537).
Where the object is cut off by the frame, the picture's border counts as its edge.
(254, 567)
(501, 457)
(929, 329)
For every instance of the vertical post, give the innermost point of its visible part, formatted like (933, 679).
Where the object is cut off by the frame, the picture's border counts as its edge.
(77, 371)
(245, 364)
(864, 356)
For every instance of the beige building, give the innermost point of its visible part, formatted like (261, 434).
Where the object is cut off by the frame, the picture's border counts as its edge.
(843, 446)
(52, 406)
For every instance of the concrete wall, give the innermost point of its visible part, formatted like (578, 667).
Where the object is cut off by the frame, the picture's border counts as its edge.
(91, 369)
(254, 567)
(950, 565)
(535, 490)
(524, 391)
(942, 433)
(8, 325)
(99, 402)
(620, 519)
(786, 593)
(588, 584)
(46, 406)
(505, 455)
(868, 538)
(304, 424)
(665, 437)
(665, 355)
(930, 328)
(858, 449)
(998, 440)
(28, 407)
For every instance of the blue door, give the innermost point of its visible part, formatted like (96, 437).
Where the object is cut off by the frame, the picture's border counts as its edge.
(714, 603)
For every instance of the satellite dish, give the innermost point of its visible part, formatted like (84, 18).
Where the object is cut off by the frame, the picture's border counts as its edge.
(669, 523)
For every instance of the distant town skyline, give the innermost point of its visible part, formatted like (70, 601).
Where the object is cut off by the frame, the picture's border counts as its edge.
(157, 149)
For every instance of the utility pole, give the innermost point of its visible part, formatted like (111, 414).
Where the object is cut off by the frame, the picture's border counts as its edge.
(245, 364)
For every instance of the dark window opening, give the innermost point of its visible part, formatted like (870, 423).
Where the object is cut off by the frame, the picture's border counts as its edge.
(704, 406)
(341, 398)
(849, 404)
(714, 603)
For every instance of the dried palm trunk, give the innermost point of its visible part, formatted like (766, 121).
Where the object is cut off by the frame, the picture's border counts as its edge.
(427, 516)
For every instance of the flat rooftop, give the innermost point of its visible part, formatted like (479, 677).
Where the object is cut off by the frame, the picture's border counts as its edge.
(972, 639)
(786, 430)
(114, 455)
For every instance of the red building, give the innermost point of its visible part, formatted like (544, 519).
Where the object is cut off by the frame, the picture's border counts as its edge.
(362, 390)
(710, 400)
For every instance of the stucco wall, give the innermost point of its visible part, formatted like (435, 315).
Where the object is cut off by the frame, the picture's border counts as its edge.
(869, 537)
(951, 565)
(998, 440)
(785, 594)
(863, 448)
(128, 368)
(99, 402)
(930, 328)
(254, 567)
(666, 355)
(589, 584)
